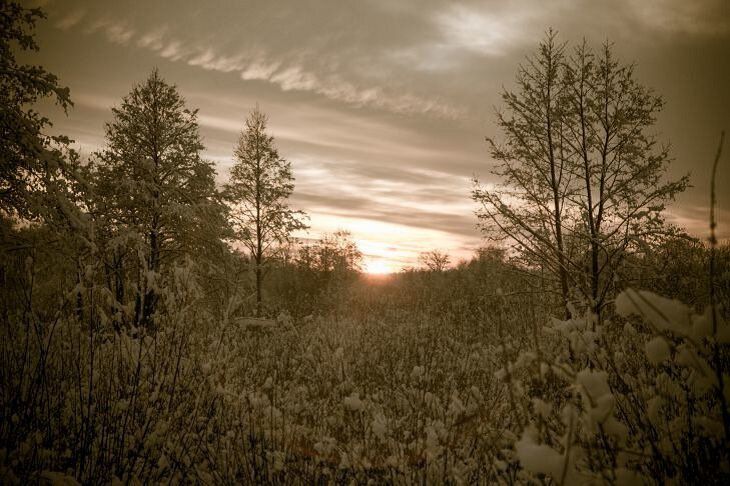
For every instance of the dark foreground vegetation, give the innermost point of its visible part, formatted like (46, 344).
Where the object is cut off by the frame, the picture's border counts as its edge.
(128, 353)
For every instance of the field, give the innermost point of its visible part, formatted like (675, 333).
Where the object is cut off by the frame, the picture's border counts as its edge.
(423, 377)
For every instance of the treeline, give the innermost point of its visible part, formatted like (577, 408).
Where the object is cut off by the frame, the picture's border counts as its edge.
(144, 204)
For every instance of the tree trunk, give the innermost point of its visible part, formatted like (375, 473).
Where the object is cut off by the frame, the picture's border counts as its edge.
(119, 289)
(79, 296)
(595, 275)
(563, 271)
(150, 297)
(258, 287)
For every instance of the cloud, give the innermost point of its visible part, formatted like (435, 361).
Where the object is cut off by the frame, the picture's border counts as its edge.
(153, 39)
(117, 32)
(210, 61)
(295, 77)
(71, 19)
(453, 228)
(710, 17)
(259, 70)
(95, 101)
(309, 67)
(695, 219)
(484, 32)
(382, 106)
(288, 73)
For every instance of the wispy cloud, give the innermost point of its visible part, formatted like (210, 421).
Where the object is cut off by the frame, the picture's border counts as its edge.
(255, 65)
(680, 16)
(482, 31)
(71, 19)
(294, 77)
(116, 32)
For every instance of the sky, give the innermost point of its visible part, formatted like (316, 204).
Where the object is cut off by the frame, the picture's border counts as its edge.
(382, 106)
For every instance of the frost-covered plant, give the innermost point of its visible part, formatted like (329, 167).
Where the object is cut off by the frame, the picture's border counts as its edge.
(639, 399)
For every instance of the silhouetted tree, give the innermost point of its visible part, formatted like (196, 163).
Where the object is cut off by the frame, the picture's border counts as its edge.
(260, 184)
(333, 253)
(529, 207)
(435, 260)
(618, 166)
(582, 178)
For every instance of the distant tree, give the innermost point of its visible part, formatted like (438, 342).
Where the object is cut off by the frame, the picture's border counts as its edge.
(37, 171)
(334, 253)
(260, 184)
(152, 185)
(491, 254)
(327, 268)
(435, 260)
(582, 178)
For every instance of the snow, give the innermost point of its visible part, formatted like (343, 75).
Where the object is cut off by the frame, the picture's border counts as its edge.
(657, 350)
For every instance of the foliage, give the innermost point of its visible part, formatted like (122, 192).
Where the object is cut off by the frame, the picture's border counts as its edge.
(333, 253)
(317, 275)
(152, 189)
(628, 401)
(449, 379)
(35, 168)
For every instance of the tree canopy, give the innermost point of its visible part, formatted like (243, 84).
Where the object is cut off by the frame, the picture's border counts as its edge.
(152, 183)
(581, 172)
(259, 188)
(36, 169)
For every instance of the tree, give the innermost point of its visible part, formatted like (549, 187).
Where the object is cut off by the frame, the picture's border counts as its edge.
(36, 169)
(261, 182)
(529, 207)
(581, 177)
(334, 253)
(153, 187)
(327, 268)
(617, 164)
(435, 260)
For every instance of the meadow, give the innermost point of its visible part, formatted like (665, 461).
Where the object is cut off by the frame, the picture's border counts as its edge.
(423, 377)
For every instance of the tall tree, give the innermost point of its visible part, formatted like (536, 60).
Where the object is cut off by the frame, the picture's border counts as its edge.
(618, 165)
(582, 178)
(152, 184)
(260, 184)
(529, 207)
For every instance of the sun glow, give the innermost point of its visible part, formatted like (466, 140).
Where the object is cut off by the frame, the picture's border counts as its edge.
(378, 267)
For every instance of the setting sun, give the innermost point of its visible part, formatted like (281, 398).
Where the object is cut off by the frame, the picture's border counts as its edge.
(378, 267)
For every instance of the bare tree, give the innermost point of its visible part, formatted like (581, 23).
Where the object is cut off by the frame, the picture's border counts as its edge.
(435, 260)
(260, 184)
(581, 177)
(528, 208)
(618, 166)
